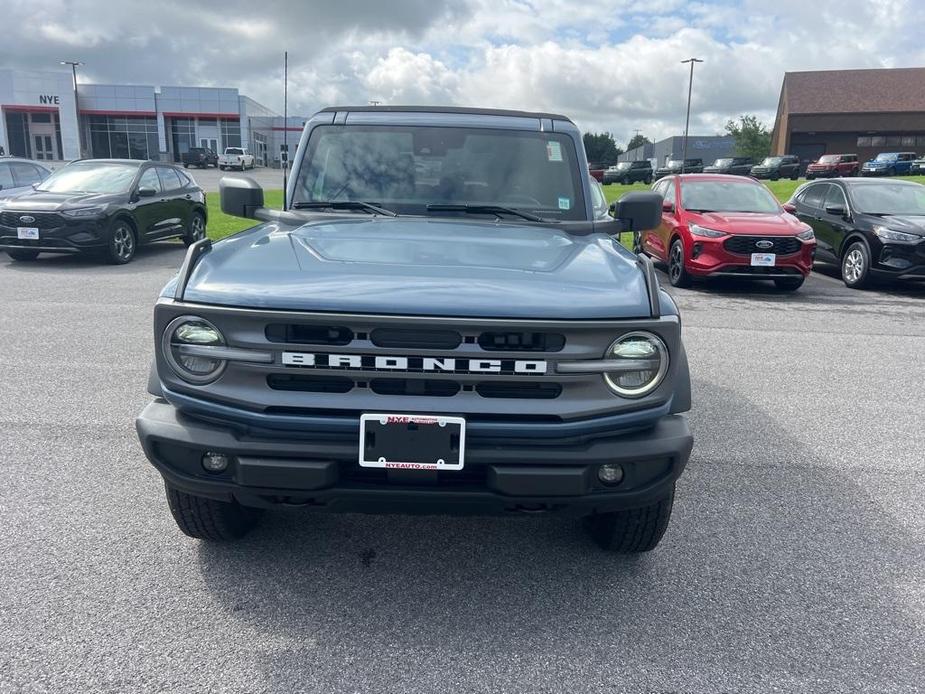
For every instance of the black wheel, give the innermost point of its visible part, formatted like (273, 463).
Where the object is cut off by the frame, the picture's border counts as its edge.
(222, 168)
(855, 266)
(122, 243)
(648, 180)
(196, 230)
(891, 172)
(795, 176)
(774, 177)
(677, 273)
(632, 530)
(186, 166)
(207, 519)
(24, 255)
(789, 284)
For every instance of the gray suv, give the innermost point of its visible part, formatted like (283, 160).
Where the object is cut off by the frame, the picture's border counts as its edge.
(439, 321)
(17, 176)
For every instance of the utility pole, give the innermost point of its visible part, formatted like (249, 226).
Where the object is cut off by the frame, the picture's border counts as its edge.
(285, 159)
(687, 120)
(80, 145)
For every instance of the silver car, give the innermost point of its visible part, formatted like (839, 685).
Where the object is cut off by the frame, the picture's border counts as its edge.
(17, 176)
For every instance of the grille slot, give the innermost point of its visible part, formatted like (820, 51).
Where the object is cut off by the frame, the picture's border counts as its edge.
(43, 220)
(414, 386)
(745, 245)
(500, 341)
(310, 384)
(309, 334)
(415, 339)
(521, 391)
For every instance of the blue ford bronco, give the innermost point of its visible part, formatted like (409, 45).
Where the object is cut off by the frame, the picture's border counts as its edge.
(440, 320)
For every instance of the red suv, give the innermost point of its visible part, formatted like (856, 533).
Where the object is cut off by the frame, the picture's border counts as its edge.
(728, 226)
(833, 165)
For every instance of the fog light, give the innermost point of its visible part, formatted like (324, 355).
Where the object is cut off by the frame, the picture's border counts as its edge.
(610, 474)
(217, 462)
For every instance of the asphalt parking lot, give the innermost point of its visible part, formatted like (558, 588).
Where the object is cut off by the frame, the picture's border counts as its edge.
(795, 559)
(269, 179)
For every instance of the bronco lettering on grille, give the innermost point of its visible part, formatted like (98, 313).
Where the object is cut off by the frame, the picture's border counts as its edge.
(367, 362)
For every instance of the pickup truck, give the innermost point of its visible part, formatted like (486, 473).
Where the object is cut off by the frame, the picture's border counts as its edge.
(441, 321)
(236, 158)
(199, 156)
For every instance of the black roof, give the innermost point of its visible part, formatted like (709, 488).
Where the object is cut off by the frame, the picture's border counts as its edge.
(447, 109)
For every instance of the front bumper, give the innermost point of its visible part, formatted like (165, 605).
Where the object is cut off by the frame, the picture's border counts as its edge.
(71, 236)
(875, 172)
(708, 258)
(765, 173)
(324, 473)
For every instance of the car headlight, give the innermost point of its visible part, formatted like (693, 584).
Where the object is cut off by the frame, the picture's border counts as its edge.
(186, 344)
(697, 230)
(887, 234)
(807, 234)
(640, 363)
(94, 211)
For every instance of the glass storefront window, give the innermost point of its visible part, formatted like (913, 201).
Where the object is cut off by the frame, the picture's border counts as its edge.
(123, 137)
(231, 133)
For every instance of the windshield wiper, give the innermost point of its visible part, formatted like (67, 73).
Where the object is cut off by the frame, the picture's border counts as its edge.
(343, 205)
(496, 210)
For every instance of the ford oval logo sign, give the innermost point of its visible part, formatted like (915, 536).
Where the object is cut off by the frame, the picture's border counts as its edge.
(26, 219)
(764, 244)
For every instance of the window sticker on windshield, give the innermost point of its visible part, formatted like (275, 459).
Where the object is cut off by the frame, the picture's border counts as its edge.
(565, 204)
(554, 151)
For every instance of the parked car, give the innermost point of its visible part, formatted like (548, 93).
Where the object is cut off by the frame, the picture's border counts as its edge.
(202, 157)
(736, 166)
(870, 228)
(108, 206)
(674, 166)
(833, 166)
(629, 172)
(236, 158)
(727, 226)
(889, 164)
(918, 167)
(775, 168)
(416, 388)
(19, 175)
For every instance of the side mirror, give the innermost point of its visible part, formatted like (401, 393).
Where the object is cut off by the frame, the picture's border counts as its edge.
(789, 207)
(241, 196)
(146, 192)
(836, 210)
(638, 210)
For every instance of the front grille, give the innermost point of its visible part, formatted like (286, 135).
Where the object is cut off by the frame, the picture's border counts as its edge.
(414, 386)
(529, 391)
(521, 341)
(746, 245)
(309, 334)
(310, 384)
(43, 220)
(400, 338)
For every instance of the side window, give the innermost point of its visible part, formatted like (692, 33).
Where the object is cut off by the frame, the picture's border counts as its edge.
(170, 180)
(814, 195)
(149, 179)
(835, 198)
(6, 176)
(668, 193)
(25, 174)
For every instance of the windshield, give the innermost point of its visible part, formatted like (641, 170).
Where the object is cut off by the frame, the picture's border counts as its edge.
(885, 157)
(91, 177)
(889, 198)
(771, 161)
(723, 162)
(829, 159)
(727, 196)
(623, 165)
(407, 168)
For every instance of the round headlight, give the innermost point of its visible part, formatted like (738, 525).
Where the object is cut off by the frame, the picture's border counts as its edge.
(641, 364)
(183, 343)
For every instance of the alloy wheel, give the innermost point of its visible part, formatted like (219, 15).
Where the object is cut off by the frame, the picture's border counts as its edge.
(197, 228)
(123, 242)
(853, 266)
(675, 262)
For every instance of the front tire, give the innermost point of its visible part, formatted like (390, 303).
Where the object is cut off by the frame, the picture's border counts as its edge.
(632, 530)
(677, 273)
(196, 231)
(122, 243)
(23, 256)
(855, 266)
(208, 519)
(789, 284)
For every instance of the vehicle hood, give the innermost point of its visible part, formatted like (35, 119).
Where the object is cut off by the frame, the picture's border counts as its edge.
(748, 223)
(40, 201)
(911, 224)
(421, 266)
(715, 169)
(822, 165)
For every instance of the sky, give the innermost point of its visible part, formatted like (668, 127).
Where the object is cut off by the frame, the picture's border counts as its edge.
(610, 65)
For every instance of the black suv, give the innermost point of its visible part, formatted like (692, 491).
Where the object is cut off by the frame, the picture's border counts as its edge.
(676, 166)
(103, 205)
(736, 166)
(774, 168)
(629, 172)
(202, 157)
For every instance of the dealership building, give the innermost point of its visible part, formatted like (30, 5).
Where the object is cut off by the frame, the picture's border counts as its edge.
(706, 147)
(40, 120)
(863, 112)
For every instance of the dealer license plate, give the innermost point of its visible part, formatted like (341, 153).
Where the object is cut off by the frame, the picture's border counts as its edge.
(412, 442)
(27, 233)
(764, 259)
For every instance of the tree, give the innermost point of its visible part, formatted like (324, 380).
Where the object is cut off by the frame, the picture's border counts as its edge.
(752, 138)
(600, 148)
(638, 140)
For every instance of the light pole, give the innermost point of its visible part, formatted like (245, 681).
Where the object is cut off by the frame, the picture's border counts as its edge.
(80, 145)
(687, 120)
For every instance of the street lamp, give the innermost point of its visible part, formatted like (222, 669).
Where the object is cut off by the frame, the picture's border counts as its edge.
(687, 120)
(80, 145)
